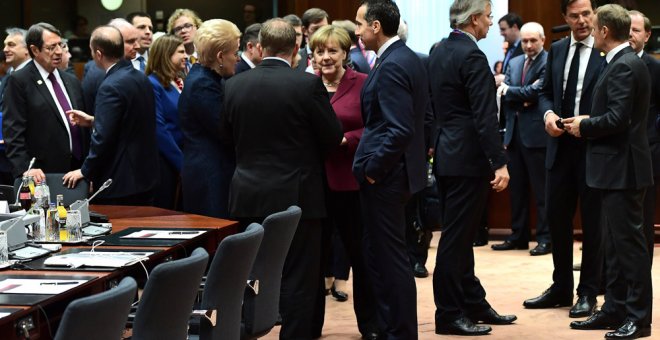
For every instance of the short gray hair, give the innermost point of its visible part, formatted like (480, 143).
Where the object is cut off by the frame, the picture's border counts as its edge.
(11, 31)
(461, 11)
(533, 27)
(402, 32)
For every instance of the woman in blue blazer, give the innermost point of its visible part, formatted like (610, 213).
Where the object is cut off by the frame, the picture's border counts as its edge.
(165, 67)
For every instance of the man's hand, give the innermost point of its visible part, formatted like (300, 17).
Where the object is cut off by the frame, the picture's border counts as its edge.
(80, 118)
(71, 178)
(572, 125)
(344, 141)
(501, 180)
(551, 125)
(499, 79)
(38, 175)
(370, 180)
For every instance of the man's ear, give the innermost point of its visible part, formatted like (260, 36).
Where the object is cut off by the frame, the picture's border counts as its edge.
(376, 26)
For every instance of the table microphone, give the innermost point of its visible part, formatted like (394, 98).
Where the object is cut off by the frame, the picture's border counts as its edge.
(105, 185)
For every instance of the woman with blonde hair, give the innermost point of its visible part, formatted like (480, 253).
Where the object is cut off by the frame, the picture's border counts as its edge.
(165, 67)
(208, 164)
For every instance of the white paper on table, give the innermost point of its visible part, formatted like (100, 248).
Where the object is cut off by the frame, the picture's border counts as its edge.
(4, 209)
(107, 259)
(3, 314)
(165, 234)
(38, 286)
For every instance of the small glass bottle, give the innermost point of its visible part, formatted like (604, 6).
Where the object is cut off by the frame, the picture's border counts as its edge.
(39, 227)
(24, 195)
(52, 224)
(61, 216)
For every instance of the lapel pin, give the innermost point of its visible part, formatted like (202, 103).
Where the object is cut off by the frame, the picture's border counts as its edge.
(39, 82)
(602, 54)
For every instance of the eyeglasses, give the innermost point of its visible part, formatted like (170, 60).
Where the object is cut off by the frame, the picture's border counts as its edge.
(179, 29)
(51, 48)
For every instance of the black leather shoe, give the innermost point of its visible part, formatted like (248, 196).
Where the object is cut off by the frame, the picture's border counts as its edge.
(370, 336)
(338, 294)
(629, 330)
(585, 306)
(508, 245)
(549, 299)
(598, 320)
(420, 271)
(541, 249)
(462, 326)
(491, 317)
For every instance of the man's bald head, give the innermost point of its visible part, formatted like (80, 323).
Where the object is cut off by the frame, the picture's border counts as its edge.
(130, 35)
(108, 41)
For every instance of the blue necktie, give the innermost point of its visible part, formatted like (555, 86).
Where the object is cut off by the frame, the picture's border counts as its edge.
(142, 63)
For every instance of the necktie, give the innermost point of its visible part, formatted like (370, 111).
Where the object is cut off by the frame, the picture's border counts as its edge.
(142, 63)
(568, 101)
(528, 63)
(76, 147)
(179, 83)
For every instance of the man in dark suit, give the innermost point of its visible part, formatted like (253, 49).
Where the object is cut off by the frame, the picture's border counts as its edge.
(123, 145)
(312, 19)
(94, 75)
(251, 55)
(640, 32)
(619, 167)
(525, 141)
(16, 57)
(390, 163)
(280, 141)
(567, 91)
(510, 25)
(36, 99)
(468, 154)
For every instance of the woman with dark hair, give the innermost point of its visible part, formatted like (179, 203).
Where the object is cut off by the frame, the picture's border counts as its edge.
(165, 66)
(208, 163)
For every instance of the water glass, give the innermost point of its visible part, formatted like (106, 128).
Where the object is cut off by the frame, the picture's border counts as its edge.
(4, 249)
(74, 225)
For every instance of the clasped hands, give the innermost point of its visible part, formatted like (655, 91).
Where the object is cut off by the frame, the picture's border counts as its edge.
(571, 125)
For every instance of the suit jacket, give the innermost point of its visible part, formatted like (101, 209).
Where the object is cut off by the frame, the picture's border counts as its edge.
(469, 143)
(168, 128)
(280, 134)
(242, 66)
(553, 87)
(394, 99)
(304, 57)
(517, 50)
(208, 163)
(123, 145)
(346, 103)
(521, 99)
(92, 78)
(358, 61)
(618, 155)
(32, 125)
(654, 111)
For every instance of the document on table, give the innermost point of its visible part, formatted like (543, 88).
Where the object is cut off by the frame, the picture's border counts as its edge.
(38, 286)
(165, 234)
(106, 259)
(3, 314)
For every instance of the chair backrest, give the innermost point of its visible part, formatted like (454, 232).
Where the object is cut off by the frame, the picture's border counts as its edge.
(7, 193)
(101, 316)
(226, 280)
(54, 181)
(168, 298)
(260, 310)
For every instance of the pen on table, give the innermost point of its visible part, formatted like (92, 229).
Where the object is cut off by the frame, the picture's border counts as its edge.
(59, 283)
(183, 232)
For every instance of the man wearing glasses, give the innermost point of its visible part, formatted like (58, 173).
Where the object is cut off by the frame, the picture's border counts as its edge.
(184, 23)
(37, 98)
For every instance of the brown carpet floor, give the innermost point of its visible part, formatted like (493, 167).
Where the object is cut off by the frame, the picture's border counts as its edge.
(509, 278)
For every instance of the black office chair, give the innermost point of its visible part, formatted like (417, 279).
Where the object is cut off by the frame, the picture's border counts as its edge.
(261, 306)
(101, 316)
(7, 193)
(168, 297)
(225, 283)
(54, 181)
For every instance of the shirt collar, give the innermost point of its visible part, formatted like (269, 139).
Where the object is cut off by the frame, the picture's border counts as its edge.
(469, 35)
(22, 65)
(247, 60)
(610, 55)
(278, 58)
(42, 71)
(588, 41)
(387, 44)
(640, 54)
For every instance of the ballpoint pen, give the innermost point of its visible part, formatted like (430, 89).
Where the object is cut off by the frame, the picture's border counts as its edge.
(59, 283)
(183, 232)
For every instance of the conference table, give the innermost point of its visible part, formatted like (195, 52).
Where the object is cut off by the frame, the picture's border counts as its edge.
(39, 315)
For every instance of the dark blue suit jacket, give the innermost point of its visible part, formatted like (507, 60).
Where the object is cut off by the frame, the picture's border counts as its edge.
(463, 88)
(522, 99)
(123, 145)
(553, 87)
(208, 164)
(618, 155)
(394, 100)
(92, 78)
(358, 61)
(241, 66)
(168, 128)
(654, 111)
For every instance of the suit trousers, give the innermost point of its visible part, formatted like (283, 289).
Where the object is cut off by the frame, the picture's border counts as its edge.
(565, 184)
(649, 216)
(344, 213)
(527, 169)
(456, 290)
(629, 288)
(386, 259)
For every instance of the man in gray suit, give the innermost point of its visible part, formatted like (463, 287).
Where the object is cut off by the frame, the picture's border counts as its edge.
(619, 168)
(525, 140)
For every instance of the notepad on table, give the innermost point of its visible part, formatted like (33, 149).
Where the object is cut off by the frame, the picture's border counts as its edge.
(165, 234)
(38, 286)
(105, 259)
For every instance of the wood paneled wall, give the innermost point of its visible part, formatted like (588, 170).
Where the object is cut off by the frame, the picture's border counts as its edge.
(337, 10)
